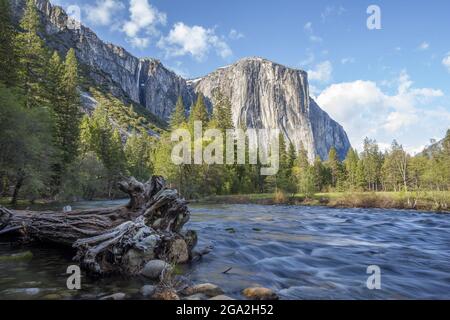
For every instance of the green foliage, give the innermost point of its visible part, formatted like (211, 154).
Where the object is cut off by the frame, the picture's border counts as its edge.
(26, 156)
(179, 115)
(138, 154)
(32, 56)
(199, 112)
(8, 58)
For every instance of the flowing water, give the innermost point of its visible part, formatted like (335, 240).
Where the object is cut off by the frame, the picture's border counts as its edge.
(300, 252)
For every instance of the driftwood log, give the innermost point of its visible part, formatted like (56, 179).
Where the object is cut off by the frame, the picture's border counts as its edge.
(114, 240)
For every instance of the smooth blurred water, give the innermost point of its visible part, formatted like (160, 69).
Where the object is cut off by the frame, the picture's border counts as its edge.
(300, 252)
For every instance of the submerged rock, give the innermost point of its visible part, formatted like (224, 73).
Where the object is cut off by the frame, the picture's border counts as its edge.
(153, 269)
(148, 290)
(208, 289)
(23, 256)
(260, 293)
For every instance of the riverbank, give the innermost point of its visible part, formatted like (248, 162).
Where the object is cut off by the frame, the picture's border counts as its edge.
(421, 201)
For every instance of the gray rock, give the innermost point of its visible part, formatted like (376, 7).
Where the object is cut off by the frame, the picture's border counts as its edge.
(154, 268)
(148, 290)
(265, 94)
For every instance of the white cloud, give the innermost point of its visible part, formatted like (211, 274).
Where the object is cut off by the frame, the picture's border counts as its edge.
(424, 46)
(235, 35)
(348, 60)
(308, 27)
(364, 110)
(143, 22)
(102, 12)
(196, 41)
(332, 11)
(446, 62)
(322, 72)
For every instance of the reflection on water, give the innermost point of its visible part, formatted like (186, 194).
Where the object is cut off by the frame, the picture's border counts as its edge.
(301, 252)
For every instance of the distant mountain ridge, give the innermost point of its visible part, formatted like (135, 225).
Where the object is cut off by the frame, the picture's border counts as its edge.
(263, 94)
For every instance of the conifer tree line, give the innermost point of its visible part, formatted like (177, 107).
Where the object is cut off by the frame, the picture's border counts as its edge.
(49, 149)
(370, 170)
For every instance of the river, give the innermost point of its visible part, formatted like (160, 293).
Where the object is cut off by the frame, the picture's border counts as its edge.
(300, 252)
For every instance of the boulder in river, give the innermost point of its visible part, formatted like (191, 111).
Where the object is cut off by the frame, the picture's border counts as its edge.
(148, 290)
(260, 293)
(208, 289)
(154, 269)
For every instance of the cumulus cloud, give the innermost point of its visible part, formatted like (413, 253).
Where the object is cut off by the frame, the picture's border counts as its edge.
(196, 41)
(143, 22)
(446, 62)
(103, 11)
(365, 110)
(322, 72)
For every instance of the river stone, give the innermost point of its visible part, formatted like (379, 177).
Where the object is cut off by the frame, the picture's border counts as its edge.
(166, 294)
(260, 293)
(197, 296)
(208, 289)
(115, 296)
(154, 268)
(148, 290)
(222, 298)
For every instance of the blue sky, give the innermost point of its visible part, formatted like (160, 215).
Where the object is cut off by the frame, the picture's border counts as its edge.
(385, 84)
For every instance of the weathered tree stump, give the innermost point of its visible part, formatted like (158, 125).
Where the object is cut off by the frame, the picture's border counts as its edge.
(114, 240)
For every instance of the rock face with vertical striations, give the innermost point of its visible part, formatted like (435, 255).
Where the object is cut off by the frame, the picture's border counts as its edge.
(263, 94)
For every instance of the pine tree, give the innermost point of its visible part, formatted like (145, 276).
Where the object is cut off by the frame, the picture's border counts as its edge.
(199, 112)
(138, 151)
(335, 167)
(351, 168)
(69, 116)
(222, 115)
(32, 57)
(8, 63)
(178, 117)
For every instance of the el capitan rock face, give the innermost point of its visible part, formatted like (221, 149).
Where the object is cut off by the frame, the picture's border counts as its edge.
(263, 94)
